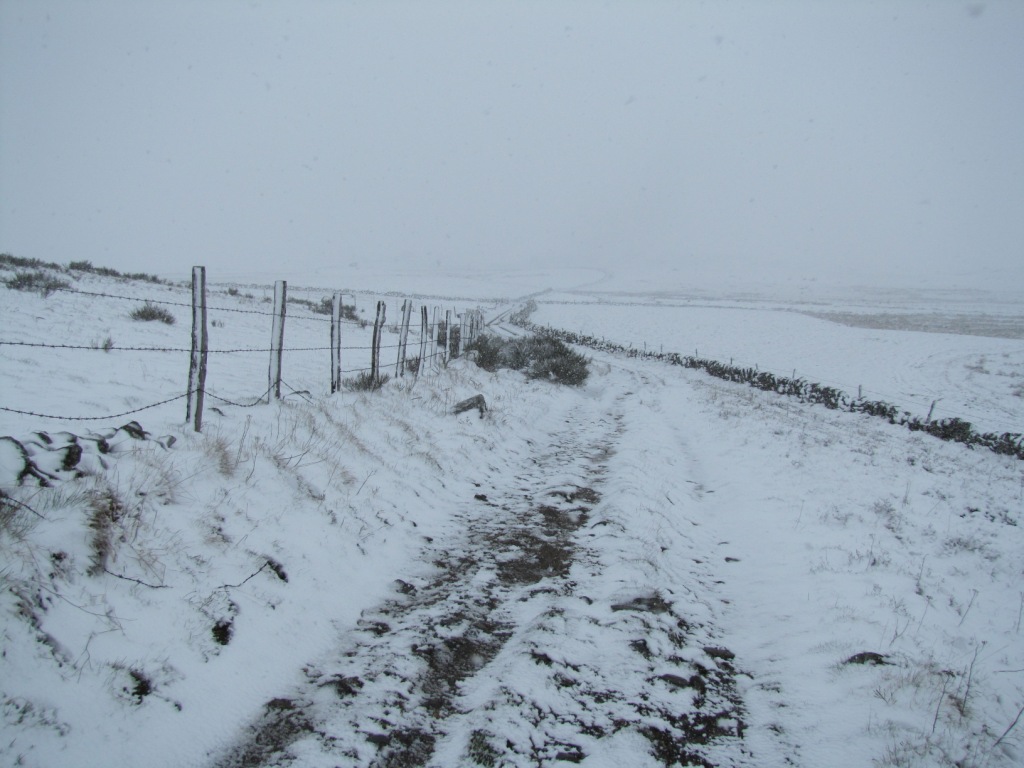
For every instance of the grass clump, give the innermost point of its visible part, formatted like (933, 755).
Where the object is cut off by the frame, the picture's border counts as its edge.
(87, 266)
(325, 307)
(40, 281)
(539, 357)
(366, 382)
(150, 311)
(20, 262)
(14, 524)
(106, 345)
(106, 513)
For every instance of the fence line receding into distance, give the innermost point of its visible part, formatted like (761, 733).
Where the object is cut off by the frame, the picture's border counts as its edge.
(431, 356)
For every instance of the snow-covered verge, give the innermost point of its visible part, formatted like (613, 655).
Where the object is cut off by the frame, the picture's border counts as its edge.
(656, 568)
(151, 607)
(872, 578)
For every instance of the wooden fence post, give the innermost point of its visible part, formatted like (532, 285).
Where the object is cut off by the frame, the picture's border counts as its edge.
(378, 326)
(336, 343)
(477, 322)
(277, 339)
(403, 337)
(200, 347)
(434, 330)
(447, 336)
(456, 338)
(423, 339)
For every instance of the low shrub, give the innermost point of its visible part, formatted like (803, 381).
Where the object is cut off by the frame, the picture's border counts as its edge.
(325, 307)
(553, 360)
(19, 262)
(87, 266)
(539, 357)
(150, 311)
(42, 282)
(106, 345)
(366, 382)
(488, 350)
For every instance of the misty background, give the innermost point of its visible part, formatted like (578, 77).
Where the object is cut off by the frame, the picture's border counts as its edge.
(720, 143)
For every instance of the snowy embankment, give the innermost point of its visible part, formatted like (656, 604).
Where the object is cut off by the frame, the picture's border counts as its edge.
(656, 568)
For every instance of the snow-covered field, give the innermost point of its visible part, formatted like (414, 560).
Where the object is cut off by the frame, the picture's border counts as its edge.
(979, 378)
(657, 568)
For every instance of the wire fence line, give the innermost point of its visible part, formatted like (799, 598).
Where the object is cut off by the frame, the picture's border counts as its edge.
(258, 401)
(438, 341)
(94, 418)
(113, 348)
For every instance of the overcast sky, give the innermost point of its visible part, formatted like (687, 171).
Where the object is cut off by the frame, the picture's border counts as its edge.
(864, 140)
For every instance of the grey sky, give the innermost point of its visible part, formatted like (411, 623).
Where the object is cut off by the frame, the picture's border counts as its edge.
(871, 140)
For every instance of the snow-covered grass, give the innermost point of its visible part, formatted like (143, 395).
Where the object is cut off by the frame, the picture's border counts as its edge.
(657, 566)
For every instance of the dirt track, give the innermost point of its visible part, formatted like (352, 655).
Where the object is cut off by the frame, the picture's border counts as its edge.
(502, 655)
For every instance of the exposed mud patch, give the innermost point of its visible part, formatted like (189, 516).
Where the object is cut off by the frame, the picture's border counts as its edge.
(533, 559)
(649, 603)
(451, 661)
(405, 748)
(282, 722)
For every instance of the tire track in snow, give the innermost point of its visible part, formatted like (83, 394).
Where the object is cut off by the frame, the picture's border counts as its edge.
(517, 651)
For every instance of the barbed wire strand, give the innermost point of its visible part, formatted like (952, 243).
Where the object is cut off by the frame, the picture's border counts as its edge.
(258, 401)
(207, 393)
(93, 418)
(261, 350)
(304, 394)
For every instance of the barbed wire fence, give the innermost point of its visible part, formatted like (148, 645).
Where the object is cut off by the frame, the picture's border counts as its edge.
(440, 340)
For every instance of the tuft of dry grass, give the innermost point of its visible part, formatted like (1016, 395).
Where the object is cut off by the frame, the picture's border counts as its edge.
(149, 312)
(107, 511)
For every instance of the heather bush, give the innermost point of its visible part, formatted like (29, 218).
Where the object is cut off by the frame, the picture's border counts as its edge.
(325, 307)
(42, 282)
(539, 357)
(150, 311)
(366, 382)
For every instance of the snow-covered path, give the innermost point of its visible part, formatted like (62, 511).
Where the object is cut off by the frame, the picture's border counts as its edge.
(662, 569)
(546, 629)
